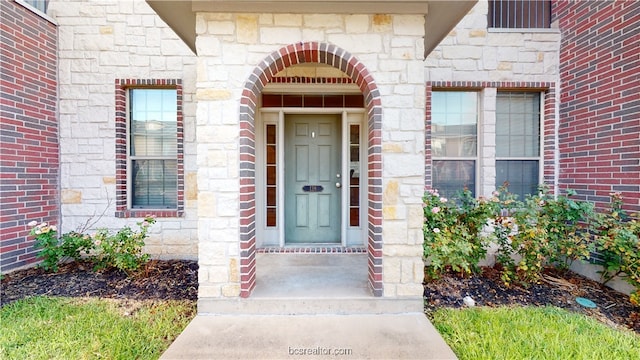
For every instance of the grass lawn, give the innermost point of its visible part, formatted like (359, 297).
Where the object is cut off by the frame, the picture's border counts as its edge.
(89, 328)
(531, 333)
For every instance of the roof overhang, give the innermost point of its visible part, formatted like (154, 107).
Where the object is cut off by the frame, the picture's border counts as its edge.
(441, 16)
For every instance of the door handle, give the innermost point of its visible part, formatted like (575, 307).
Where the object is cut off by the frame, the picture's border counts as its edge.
(338, 185)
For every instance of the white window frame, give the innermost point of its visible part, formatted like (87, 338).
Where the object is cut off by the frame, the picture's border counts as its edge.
(538, 158)
(479, 140)
(131, 158)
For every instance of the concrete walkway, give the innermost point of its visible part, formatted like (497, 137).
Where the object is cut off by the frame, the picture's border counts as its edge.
(310, 306)
(392, 336)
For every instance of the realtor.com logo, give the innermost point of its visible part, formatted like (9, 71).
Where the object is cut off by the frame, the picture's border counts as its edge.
(319, 351)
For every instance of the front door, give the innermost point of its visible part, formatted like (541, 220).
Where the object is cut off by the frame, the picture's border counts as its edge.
(313, 181)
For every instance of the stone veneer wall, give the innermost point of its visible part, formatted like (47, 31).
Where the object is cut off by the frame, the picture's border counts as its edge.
(29, 150)
(475, 58)
(230, 48)
(100, 43)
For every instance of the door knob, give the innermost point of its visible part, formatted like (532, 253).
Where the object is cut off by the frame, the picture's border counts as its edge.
(338, 185)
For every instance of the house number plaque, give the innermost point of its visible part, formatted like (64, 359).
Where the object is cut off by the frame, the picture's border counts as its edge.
(312, 188)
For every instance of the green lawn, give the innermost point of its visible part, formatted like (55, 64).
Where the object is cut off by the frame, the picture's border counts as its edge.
(78, 328)
(532, 333)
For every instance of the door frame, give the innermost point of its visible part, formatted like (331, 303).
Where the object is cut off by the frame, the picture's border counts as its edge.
(349, 236)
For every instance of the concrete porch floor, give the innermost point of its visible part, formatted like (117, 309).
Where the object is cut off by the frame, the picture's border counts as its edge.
(318, 302)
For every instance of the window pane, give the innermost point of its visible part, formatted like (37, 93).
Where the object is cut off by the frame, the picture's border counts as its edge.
(518, 124)
(154, 184)
(354, 175)
(522, 176)
(271, 175)
(153, 126)
(454, 123)
(451, 176)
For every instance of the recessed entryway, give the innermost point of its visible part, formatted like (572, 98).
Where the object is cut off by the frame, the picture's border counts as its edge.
(312, 276)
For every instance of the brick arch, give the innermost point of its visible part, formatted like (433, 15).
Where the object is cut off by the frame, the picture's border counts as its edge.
(308, 52)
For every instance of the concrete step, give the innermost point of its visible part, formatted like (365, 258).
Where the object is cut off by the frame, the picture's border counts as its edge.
(309, 306)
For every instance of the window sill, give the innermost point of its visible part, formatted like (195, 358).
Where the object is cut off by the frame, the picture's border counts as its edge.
(141, 213)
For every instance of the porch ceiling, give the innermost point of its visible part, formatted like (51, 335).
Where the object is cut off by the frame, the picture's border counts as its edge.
(440, 15)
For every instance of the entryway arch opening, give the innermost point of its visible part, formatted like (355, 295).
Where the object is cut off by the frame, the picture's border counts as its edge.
(264, 74)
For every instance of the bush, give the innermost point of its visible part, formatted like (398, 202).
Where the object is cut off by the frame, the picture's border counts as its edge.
(543, 230)
(452, 232)
(122, 250)
(529, 235)
(617, 239)
(46, 237)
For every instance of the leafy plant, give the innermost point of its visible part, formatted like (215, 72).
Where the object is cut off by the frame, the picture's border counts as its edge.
(452, 232)
(543, 230)
(122, 250)
(617, 240)
(74, 245)
(46, 237)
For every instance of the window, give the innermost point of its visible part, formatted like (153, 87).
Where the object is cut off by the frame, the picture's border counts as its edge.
(518, 141)
(519, 14)
(39, 4)
(454, 141)
(153, 177)
(271, 164)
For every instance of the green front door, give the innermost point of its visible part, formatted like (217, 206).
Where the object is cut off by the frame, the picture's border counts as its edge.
(313, 181)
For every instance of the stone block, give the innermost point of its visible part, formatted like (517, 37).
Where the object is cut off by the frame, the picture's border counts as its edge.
(247, 28)
(408, 25)
(394, 232)
(206, 290)
(323, 21)
(358, 43)
(409, 290)
(69, 196)
(415, 217)
(218, 274)
(221, 27)
(234, 270)
(286, 20)
(392, 270)
(357, 24)
(389, 213)
(206, 204)
(231, 290)
(208, 46)
(462, 52)
(390, 195)
(280, 35)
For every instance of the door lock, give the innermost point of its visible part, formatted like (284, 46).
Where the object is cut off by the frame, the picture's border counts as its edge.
(338, 185)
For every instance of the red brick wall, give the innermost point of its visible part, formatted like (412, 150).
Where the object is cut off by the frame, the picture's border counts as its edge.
(29, 162)
(599, 134)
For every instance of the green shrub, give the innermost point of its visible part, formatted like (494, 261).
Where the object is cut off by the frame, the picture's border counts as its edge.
(452, 232)
(122, 250)
(543, 230)
(617, 240)
(46, 239)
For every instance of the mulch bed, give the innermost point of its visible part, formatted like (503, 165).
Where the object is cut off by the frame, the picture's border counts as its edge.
(557, 288)
(162, 280)
(178, 280)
